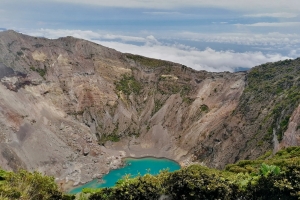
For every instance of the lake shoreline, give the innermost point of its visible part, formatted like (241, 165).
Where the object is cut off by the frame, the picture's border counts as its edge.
(163, 158)
(142, 164)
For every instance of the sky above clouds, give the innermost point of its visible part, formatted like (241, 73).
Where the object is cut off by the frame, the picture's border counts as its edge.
(213, 35)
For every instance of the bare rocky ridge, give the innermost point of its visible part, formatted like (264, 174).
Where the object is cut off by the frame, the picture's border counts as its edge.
(72, 109)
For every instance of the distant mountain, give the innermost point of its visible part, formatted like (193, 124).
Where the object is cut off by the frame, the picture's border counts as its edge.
(72, 108)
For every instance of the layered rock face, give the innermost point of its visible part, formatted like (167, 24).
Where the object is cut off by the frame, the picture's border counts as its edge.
(73, 109)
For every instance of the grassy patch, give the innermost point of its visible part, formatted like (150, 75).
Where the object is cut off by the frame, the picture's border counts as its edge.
(108, 137)
(128, 85)
(42, 72)
(150, 62)
(113, 136)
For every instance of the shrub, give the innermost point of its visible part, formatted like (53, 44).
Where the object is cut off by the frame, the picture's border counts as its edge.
(42, 72)
(34, 186)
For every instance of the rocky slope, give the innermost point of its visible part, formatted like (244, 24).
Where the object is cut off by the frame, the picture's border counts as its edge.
(73, 109)
(266, 117)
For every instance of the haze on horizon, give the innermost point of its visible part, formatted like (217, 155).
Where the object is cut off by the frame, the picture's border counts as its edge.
(205, 35)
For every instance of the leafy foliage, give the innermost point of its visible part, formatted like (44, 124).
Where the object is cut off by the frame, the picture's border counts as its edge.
(265, 169)
(274, 177)
(282, 186)
(25, 185)
(141, 187)
(254, 179)
(196, 182)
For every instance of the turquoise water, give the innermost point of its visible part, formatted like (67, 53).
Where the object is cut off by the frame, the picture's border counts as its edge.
(133, 167)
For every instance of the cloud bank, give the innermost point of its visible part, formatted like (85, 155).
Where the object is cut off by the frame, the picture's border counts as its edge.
(277, 15)
(268, 39)
(207, 59)
(253, 5)
(273, 24)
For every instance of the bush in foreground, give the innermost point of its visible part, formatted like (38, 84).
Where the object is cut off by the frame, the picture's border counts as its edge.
(25, 185)
(277, 177)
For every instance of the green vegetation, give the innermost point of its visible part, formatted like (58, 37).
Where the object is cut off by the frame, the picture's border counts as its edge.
(149, 62)
(204, 108)
(276, 87)
(188, 100)
(171, 86)
(113, 136)
(274, 178)
(286, 157)
(168, 87)
(265, 169)
(158, 104)
(269, 177)
(29, 186)
(185, 90)
(42, 72)
(128, 85)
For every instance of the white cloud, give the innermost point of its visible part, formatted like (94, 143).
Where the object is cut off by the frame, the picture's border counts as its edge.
(277, 15)
(51, 33)
(124, 38)
(254, 5)
(151, 41)
(163, 13)
(88, 35)
(272, 24)
(172, 14)
(208, 59)
(268, 39)
(295, 53)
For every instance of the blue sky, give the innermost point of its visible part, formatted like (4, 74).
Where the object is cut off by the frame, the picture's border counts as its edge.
(210, 35)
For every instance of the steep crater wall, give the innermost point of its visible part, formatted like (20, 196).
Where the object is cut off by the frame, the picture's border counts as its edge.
(73, 109)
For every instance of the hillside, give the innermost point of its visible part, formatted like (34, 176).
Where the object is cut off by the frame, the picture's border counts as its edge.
(267, 115)
(72, 109)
